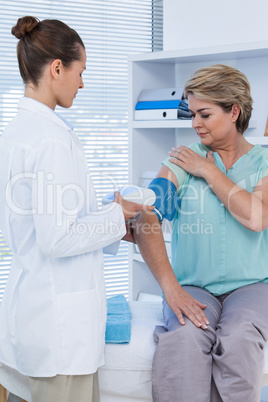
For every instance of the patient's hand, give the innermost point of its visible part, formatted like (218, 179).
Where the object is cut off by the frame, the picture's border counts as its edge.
(192, 162)
(181, 302)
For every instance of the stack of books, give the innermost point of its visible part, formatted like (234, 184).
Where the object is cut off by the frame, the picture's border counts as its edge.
(162, 103)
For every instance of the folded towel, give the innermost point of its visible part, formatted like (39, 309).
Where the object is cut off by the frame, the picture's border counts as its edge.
(118, 326)
(118, 305)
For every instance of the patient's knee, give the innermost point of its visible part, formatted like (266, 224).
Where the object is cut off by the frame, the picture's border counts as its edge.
(187, 337)
(243, 335)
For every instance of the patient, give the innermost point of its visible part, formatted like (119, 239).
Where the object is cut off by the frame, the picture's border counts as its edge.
(216, 289)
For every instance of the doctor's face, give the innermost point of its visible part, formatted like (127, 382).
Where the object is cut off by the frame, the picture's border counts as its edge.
(71, 81)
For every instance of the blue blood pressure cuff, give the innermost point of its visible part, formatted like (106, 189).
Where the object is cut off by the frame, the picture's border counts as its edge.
(167, 200)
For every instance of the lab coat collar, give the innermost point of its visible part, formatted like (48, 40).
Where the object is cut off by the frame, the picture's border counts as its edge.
(38, 107)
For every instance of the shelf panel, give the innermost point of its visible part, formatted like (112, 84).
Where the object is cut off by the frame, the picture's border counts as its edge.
(138, 257)
(162, 124)
(167, 236)
(224, 52)
(257, 140)
(172, 124)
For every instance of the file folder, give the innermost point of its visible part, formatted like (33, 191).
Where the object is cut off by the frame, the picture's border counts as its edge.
(161, 114)
(164, 104)
(184, 114)
(159, 94)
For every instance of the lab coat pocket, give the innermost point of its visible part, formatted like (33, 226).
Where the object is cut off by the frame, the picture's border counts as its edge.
(79, 332)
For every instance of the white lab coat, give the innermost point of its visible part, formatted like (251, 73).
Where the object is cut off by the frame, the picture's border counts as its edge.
(53, 314)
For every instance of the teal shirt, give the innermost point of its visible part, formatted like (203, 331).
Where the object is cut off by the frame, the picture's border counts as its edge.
(210, 248)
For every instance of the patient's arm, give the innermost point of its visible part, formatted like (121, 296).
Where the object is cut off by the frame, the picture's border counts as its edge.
(148, 235)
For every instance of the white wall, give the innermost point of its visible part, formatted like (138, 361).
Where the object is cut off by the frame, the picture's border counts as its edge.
(201, 23)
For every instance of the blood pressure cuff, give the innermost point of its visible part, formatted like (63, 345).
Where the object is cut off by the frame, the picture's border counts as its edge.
(167, 200)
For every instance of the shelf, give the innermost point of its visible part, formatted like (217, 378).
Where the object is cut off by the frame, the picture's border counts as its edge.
(149, 140)
(167, 237)
(225, 52)
(162, 124)
(257, 140)
(173, 124)
(138, 257)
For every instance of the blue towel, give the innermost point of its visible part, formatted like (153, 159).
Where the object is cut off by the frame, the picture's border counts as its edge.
(118, 326)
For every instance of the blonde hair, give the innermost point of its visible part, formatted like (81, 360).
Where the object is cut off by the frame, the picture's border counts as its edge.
(224, 86)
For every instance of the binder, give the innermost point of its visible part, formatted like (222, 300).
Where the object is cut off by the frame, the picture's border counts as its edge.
(160, 114)
(163, 104)
(184, 114)
(159, 94)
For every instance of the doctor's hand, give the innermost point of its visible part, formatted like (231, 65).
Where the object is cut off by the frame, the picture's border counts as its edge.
(182, 303)
(130, 209)
(129, 236)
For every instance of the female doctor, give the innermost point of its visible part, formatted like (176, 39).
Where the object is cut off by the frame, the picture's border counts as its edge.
(53, 313)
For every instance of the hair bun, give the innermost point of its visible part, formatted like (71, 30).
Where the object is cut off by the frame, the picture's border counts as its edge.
(24, 26)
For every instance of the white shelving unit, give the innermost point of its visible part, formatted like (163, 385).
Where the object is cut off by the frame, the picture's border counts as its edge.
(150, 141)
(174, 124)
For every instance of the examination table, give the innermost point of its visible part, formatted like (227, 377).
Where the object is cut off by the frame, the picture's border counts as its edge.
(126, 375)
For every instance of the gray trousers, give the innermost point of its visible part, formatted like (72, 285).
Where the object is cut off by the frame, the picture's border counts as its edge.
(222, 363)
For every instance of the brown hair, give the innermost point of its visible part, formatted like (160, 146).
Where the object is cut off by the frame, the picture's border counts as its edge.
(224, 86)
(41, 42)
